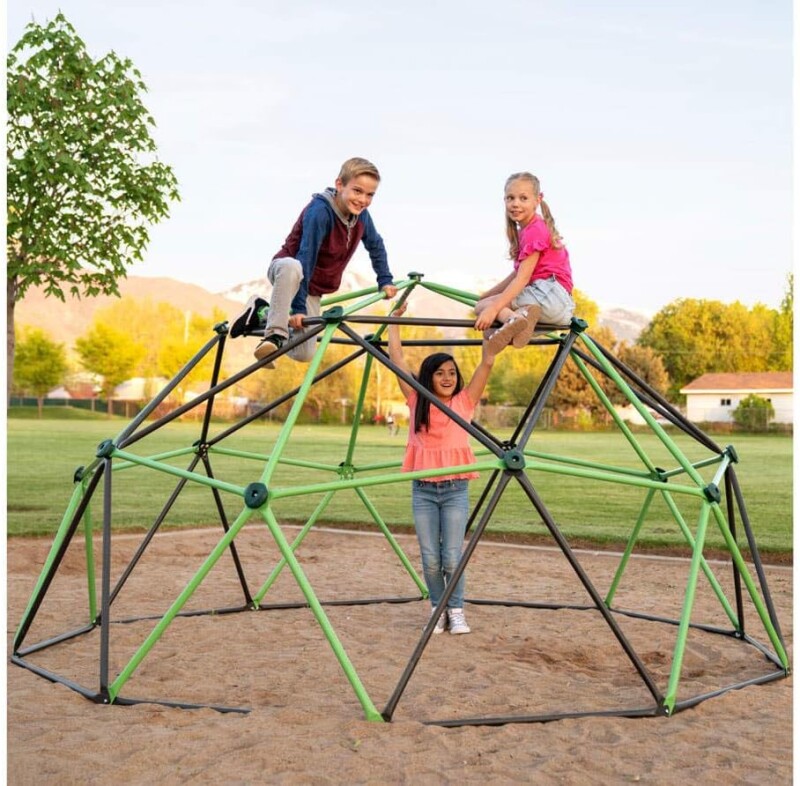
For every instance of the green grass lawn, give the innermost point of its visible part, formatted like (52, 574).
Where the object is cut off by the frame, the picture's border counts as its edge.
(42, 456)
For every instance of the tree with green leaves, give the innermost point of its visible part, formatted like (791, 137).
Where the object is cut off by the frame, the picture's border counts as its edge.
(646, 364)
(572, 393)
(695, 337)
(182, 339)
(111, 353)
(783, 345)
(83, 181)
(41, 365)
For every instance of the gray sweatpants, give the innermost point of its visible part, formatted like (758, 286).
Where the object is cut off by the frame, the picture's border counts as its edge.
(285, 275)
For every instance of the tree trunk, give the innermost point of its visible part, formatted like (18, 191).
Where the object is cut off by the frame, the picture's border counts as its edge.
(40, 405)
(11, 299)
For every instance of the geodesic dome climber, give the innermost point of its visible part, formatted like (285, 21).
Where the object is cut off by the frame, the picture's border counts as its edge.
(704, 486)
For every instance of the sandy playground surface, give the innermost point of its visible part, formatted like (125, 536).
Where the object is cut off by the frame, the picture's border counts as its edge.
(306, 725)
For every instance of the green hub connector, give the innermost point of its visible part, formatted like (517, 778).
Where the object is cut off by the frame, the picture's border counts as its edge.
(514, 460)
(334, 314)
(578, 325)
(255, 495)
(346, 471)
(105, 448)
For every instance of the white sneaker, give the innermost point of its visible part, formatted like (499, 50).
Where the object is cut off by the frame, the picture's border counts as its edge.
(458, 622)
(441, 623)
(250, 318)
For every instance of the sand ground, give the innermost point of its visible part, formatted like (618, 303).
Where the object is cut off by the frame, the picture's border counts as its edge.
(306, 724)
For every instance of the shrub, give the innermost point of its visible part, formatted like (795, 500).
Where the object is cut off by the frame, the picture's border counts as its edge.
(753, 413)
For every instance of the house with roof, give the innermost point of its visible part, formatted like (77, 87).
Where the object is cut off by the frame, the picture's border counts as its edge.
(714, 397)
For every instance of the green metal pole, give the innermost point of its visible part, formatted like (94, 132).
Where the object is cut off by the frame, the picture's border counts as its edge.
(179, 473)
(576, 462)
(158, 457)
(370, 711)
(393, 543)
(621, 424)
(467, 298)
(642, 482)
(295, 545)
(63, 527)
(178, 604)
(358, 409)
(377, 480)
(286, 431)
(89, 548)
(686, 614)
(640, 408)
(634, 536)
(712, 579)
(697, 465)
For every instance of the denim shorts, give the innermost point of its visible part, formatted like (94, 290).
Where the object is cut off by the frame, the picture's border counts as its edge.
(557, 304)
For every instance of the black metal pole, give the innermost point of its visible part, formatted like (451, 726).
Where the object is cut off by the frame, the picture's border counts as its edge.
(105, 602)
(391, 705)
(524, 481)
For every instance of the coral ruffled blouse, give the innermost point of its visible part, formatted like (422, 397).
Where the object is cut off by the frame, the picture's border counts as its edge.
(446, 444)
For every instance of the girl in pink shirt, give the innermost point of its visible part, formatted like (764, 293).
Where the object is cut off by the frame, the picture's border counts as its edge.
(540, 286)
(440, 502)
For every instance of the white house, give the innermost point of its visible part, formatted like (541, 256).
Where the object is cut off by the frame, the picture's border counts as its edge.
(139, 388)
(714, 397)
(59, 392)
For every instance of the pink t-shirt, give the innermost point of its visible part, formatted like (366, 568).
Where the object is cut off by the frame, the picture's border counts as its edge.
(446, 444)
(552, 261)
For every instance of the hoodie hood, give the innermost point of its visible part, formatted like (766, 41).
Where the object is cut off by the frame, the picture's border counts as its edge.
(329, 195)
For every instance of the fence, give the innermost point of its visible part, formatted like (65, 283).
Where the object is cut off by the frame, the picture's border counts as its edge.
(126, 408)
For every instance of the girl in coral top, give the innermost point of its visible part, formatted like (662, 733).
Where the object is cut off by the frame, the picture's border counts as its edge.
(540, 286)
(440, 503)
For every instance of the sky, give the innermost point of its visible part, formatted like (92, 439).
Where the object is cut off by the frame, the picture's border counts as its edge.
(661, 133)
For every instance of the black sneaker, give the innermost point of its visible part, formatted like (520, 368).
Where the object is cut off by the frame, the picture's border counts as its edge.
(267, 346)
(251, 318)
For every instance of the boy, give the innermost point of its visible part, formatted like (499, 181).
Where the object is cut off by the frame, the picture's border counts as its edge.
(314, 255)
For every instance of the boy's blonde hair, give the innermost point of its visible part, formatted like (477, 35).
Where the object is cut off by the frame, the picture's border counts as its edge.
(354, 167)
(511, 226)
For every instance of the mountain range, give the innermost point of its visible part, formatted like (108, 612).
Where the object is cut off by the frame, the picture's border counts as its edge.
(66, 321)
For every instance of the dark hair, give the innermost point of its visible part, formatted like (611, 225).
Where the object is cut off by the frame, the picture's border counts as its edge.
(422, 411)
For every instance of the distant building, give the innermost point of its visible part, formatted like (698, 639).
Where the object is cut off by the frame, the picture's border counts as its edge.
(60, 392)
(714, 397)
(139, 388)
(630, 414)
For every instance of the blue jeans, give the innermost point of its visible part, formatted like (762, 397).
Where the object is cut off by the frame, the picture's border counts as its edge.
(441, 511)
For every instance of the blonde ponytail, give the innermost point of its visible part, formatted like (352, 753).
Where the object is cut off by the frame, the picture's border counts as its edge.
(555, 235)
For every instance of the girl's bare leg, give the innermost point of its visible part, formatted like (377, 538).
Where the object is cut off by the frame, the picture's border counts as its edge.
(503, 315)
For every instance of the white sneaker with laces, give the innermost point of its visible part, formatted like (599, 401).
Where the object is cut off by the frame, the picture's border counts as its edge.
(249, 319)
(458, 622)
(441, 623)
